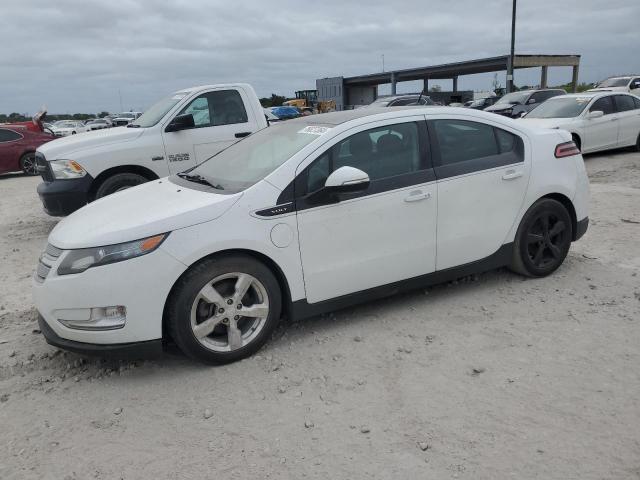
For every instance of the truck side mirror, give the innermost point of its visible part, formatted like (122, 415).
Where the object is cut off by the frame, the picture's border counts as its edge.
(181, 122)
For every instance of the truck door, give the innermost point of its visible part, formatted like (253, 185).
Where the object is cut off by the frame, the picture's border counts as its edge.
(220, 119)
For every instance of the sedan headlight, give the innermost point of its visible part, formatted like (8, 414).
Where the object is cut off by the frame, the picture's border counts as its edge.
(64, 169)
(77, 261)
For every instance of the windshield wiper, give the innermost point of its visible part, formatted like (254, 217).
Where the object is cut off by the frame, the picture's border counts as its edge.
(199, 179)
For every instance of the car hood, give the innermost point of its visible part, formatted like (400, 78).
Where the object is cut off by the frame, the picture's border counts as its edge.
(500, 106)
(63, 147)
(545, 122)
(149, 209)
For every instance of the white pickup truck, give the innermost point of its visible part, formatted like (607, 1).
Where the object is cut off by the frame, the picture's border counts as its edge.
(177, 133)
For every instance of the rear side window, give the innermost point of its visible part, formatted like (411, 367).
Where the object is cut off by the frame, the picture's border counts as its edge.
(624, 103)
(466, 147)
(604, 104)
(222, 107)
(8, 135)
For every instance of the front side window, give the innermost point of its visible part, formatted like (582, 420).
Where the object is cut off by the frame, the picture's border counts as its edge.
(624, 103)
(380, 152)
(604, 104)
(222, 107)
(636, 101)
(7, 135)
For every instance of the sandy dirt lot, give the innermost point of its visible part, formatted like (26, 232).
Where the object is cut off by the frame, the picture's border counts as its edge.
(493, 377)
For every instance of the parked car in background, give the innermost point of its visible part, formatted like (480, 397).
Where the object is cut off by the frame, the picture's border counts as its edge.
(18, 148)
(98, 124)
(213, 257)
(482, 103)
(596, 120)
(125, 118)
(402, 100)
(177, 133)
(286, 113)
(515, 104)
(269, 115)
(628, 84)
(63, 128)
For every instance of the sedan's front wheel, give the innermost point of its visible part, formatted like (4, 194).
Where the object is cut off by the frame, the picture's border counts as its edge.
(543, 239)
(224, 309)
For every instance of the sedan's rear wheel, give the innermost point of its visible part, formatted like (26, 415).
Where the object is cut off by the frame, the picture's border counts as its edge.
(543, 239)
(28, 163)
(224, 309)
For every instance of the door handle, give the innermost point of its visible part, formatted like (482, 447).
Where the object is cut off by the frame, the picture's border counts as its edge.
(512, 174)
(417, 195)
(243, 134)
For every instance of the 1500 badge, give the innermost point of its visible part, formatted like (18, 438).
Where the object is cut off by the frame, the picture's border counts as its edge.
(179, 157)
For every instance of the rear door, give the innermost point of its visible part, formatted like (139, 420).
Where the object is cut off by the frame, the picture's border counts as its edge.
(220, 119)
(482, 172)
(10, 143)
(628, 120)
(601, 133)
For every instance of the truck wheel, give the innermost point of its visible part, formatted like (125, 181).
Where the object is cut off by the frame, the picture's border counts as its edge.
(224, 309)
(118, 182)
(28, 164)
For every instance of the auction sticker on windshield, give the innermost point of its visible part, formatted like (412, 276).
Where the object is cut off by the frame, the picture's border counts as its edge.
(315, 130)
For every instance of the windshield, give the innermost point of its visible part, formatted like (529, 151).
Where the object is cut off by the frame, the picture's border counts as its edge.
(154, 114)
(615, 82)
(250, 160)
(560, 107)
(515, 97)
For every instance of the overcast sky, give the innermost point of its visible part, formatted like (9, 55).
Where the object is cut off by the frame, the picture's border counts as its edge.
(80, 56)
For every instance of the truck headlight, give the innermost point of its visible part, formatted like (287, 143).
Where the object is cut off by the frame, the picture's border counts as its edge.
(77, 261)
(64, 169)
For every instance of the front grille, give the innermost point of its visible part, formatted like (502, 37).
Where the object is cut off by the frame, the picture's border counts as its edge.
(44, 168)
(47, 259)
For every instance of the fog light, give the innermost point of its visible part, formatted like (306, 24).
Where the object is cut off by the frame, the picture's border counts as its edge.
(100, 318)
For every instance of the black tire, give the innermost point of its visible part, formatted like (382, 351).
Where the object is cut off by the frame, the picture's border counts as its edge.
(119, 181)
(542, 245)
(28, 164)
(180, 307)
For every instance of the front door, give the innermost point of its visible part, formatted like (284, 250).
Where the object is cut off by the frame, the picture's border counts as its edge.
(220, 120)
(482, 173)
(378, 236)
(628, 120)
(601, 132)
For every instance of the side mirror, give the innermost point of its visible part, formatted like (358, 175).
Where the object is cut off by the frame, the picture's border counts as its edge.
(595, 114)
(531, 101)
(347, 180)
(635, 85)
(181, 122)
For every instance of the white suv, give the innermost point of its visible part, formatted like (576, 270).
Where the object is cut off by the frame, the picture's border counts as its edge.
(307, 216)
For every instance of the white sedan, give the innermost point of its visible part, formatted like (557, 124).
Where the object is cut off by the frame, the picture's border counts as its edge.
(308, 216)
(64, 128)
(596, 120)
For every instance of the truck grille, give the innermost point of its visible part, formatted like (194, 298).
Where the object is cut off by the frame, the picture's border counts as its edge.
(44, 169)
(47, 259)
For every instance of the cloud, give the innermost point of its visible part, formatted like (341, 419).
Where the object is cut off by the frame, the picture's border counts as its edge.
(81, 56)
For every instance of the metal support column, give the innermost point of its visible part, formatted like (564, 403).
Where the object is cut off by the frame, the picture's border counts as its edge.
(455, 84)
(393, 83)
(574, 79)
(543, 77)
(425, 85)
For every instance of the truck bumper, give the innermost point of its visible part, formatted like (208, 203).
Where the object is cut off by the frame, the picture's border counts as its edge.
(63, 197)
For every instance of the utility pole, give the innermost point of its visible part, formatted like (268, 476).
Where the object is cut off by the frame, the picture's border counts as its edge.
(120, 95)
(382, 62)
(513, 44)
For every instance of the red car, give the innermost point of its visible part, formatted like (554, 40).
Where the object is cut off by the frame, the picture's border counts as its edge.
(18, 143)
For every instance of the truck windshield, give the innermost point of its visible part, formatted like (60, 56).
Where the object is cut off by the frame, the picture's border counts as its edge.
(252, 159)
(156, 112)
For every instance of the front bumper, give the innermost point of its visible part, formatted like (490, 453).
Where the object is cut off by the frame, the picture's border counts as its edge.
(63, 197)
(133, 350)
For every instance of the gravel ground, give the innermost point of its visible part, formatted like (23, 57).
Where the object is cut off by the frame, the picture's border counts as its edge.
(492, 377)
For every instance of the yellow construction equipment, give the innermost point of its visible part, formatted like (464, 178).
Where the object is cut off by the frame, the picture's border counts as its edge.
(307, 102)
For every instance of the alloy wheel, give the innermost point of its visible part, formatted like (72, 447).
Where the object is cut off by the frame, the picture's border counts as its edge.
(29, 165)
(546, 240)
(229, 312)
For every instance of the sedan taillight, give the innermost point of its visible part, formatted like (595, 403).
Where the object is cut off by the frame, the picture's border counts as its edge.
(567, 149)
